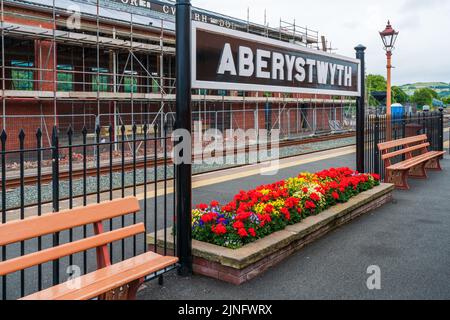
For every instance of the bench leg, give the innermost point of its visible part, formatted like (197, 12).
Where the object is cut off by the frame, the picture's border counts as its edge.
(398, 178)
(133, 288)
(127, 292)
(434, 165)
(418, 172)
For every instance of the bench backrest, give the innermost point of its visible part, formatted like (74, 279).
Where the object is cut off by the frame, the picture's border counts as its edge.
(402, 142)
(408, 147)
(34, 227)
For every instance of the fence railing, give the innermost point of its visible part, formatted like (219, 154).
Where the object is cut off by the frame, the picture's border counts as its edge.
(377, 131)
(77, 174)
(292, 123)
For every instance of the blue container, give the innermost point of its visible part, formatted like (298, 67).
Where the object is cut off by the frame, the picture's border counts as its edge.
(397, 112)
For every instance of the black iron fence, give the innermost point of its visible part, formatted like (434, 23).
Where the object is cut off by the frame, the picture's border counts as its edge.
(378, 130)
(39, 178)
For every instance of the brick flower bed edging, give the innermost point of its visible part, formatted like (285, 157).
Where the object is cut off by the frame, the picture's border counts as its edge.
(241, 265)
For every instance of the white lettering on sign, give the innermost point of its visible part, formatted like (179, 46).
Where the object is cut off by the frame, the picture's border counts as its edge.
(299, 67)
(138, 3)
(171, 10)
(227, 61)
(261, 64)
(322, 72)
(340, 68)
(332, 73)
(278, 66)
(246, 66)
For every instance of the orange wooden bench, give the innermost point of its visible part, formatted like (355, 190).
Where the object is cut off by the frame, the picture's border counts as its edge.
(417, 160)
(110, 282)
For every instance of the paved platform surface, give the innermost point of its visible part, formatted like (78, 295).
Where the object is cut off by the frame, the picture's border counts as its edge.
(408, 239)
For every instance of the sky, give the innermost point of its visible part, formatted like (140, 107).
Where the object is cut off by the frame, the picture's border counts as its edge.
(422, 51)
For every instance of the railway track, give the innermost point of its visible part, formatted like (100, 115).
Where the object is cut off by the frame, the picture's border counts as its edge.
(47, 177)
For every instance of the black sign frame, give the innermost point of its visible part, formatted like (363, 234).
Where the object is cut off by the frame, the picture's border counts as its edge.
(204, 46)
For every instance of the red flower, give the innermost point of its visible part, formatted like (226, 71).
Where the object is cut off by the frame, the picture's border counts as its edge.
(305, 190)
(238, 225)
(242, 233)
(335, 195)
(202, 206)
(310, 205)
(286, 213)
(268, 208)
(291, 202)
(207, 218)
(264, 218)
(242, 216)
(314, 197)
(252, 232)
(214, 203)
(376, 176)
(227, 208)
(220, 229)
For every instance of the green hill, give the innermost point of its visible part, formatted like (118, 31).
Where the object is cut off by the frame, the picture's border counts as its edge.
(442, 88)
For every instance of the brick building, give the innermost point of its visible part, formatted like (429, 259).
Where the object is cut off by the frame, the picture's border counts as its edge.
(112, 62)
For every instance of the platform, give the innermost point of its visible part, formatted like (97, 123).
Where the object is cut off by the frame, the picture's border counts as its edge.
(407, 239)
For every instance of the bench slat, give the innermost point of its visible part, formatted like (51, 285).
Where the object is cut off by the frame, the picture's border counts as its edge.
(404, 151)
(408, 164)
(34, 227)
(47, 255)
(101, 281)
(398, 143)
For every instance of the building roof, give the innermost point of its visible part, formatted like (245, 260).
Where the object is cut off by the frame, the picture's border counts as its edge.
(108, 10)
(117, 10)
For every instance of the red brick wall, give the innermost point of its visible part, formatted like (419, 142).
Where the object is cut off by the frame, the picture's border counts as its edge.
(23, 119)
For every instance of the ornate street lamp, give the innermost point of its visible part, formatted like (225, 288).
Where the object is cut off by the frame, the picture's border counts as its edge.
(389, 36)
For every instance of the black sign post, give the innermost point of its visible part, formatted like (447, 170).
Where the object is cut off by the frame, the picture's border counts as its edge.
(183, 173)
(360, 111)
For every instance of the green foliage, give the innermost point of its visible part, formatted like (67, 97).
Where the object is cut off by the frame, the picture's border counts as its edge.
(424, 96)
(446, 100)
(399, 96)
(376, 82)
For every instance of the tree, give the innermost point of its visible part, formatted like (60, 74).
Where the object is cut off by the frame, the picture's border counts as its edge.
(424, 96)
(446, 100)
(399, 96)
(375, 82)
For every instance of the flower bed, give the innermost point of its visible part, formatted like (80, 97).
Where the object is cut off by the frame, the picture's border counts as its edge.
(257, 213)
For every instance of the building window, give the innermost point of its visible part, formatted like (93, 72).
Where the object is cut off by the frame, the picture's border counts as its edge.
(22, 79)
(65, 77)
(155, 86)
(100, 82)
(130, 82)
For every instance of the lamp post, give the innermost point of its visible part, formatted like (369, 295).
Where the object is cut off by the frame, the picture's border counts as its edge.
(389, 36)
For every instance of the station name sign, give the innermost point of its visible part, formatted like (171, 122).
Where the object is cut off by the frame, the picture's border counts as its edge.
(170, 9)
(234, 60)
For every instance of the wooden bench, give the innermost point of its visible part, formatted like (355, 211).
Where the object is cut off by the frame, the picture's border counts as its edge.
(111, 281)
(417, 159)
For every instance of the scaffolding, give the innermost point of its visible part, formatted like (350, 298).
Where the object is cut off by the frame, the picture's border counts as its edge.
(112, 66)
